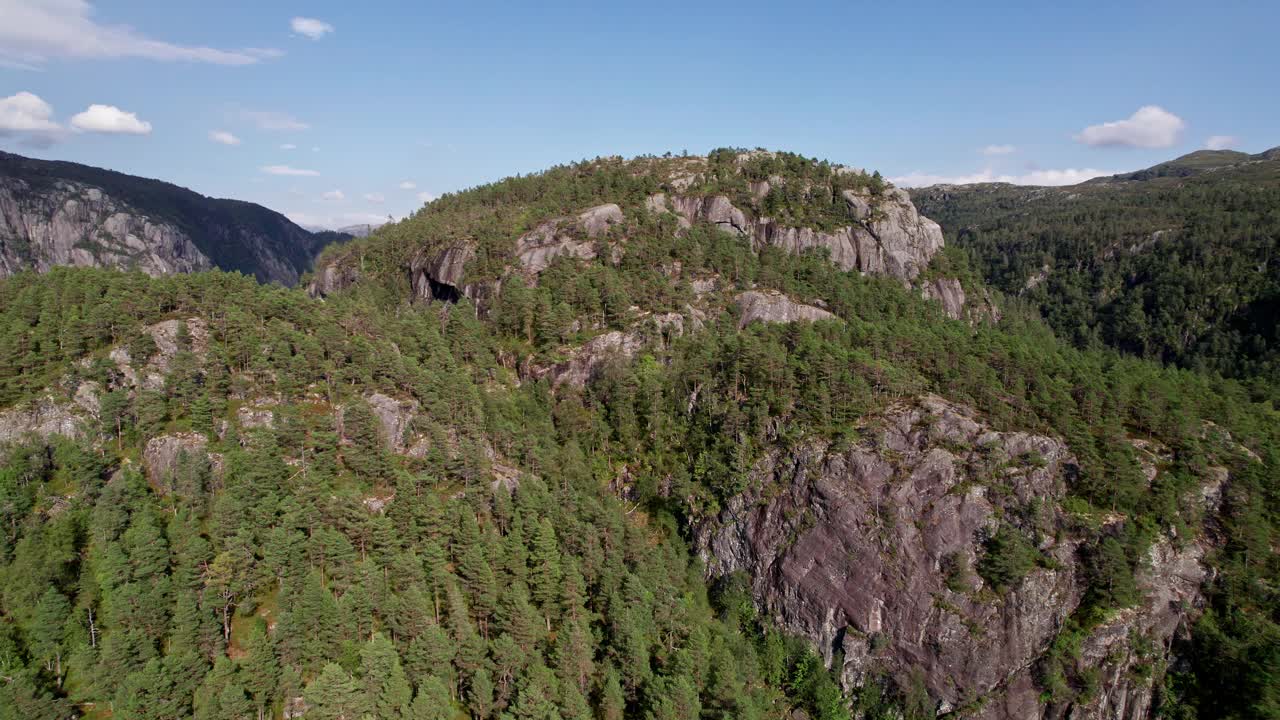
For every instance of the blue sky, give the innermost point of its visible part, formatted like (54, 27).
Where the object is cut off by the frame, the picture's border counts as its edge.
(373, 95)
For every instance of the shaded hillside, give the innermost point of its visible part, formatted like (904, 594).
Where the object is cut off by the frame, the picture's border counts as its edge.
(62, 213)
(1179, 263)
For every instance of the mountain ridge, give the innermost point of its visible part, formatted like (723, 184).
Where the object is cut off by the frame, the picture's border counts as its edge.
(59, 213)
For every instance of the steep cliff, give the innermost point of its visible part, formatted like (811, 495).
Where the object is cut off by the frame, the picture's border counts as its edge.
(873, 552)
(60, 213)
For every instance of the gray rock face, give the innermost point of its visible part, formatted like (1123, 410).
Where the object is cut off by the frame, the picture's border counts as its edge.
(61, 213)
(438, 274)
(562, 236)
(948, 292)
(889, 238)
(42, 418)
(852, 548)
(162, 453)
(332, 278)
(395, 417)
(587, 359)
(775, 307)
(80, 226)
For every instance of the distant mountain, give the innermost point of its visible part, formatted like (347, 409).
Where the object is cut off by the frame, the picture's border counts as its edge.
(1194, 163)
(62, 213)
(1178, 262)
(360, 230)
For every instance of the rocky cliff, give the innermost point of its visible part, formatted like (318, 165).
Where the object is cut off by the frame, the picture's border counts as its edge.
(863, 225)
(59, 213)
(871, 552)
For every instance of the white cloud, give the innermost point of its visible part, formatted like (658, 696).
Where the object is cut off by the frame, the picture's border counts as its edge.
(315, 149)
(1221, 142)
(35, 31)
(223, 137)
(1150, 127)
(335, 195)
(333, 222)
(268, 120)
(375, 197)
(1068, 176)
(408, 185)
(30, 118)
(998, 150)
(286, 170)
(110, 119)
(311, 27)
(426, 197)
(288, 146)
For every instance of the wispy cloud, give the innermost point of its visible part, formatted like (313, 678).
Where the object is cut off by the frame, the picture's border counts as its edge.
(334, 195)
(377, 198)
(998, 150)
(1068, 176)
(270, 120)
(36, 31)
(287, 170)
(1150, 127)
(408, 185)
(223, 137)
(1221, 142)
(288, 146)
(310, 27)
(427, 197)
(110, 119)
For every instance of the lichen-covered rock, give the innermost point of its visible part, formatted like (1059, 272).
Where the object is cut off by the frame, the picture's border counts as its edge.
(948, 292)
(44, 418)
(395, 416)
(869, 551)
(256, 416)
(587, 359)
(774, 307)
(162, 453)
(333, 278)
(889, 237)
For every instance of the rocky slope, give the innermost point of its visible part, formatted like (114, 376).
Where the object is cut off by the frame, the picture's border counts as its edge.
(865, 226)
(870, 551)
(58, 213)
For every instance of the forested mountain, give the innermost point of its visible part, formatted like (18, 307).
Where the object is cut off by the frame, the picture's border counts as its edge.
(1179, 262)
(666, 438)
(56, 213)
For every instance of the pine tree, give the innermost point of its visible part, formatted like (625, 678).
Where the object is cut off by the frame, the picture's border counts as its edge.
(613, 703)
(480, 695)
(546, 569)
(386, 689)
(48, 631)
(234, 704)
(432, 701)
(261, 669)
(334, 695)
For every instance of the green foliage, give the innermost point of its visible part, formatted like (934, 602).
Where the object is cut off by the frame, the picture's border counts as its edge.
(413, 585)
(1008, 558)
(1183, 270)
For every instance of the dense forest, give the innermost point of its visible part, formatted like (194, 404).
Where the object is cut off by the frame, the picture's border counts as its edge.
(1178, 263)
(528, 556)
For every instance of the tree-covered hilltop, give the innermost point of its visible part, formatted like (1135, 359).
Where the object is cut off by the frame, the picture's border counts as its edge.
(1177, 263)
(491, 217)
(225, 500)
